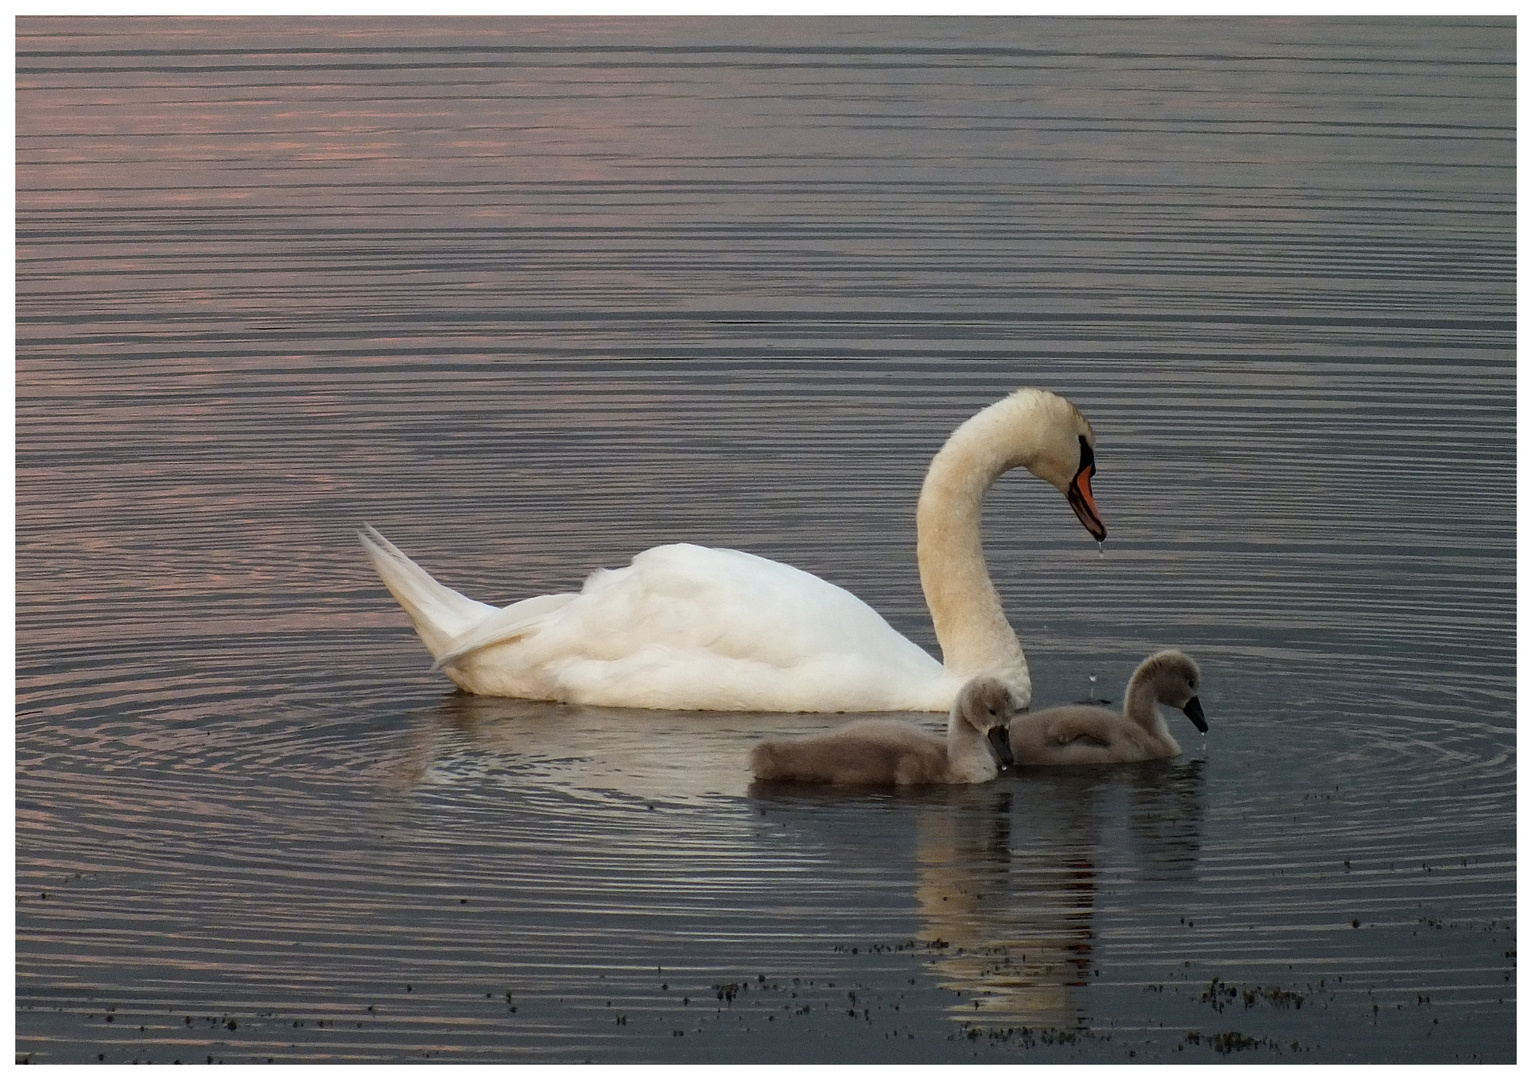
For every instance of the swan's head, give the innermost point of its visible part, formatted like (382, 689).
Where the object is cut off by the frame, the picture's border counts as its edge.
(988, 705)
(1174, 676)
(1063, 451)
(1032, 428)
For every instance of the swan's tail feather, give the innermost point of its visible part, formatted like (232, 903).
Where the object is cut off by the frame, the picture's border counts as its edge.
(506, 624)
(439, 614)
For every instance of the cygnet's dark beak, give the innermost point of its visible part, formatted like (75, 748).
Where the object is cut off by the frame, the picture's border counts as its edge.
(1000, 745)
(1193, 711)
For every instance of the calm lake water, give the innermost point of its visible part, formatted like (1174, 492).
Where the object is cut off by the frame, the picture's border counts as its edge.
(532, 296)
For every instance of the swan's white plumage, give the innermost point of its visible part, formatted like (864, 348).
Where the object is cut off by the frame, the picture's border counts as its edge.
(689, 627)
(439, 613)
(682, 627)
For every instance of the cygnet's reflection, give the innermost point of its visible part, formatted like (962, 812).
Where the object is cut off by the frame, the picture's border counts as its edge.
(1005, 874)
(1007, 882)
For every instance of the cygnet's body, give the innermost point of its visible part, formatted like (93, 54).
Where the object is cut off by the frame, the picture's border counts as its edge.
(897, 753)
(1090, 735)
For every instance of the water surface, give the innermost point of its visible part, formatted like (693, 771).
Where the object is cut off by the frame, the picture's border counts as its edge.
(531, 296)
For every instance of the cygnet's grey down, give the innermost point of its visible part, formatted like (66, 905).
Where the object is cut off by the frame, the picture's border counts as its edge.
(894, 752)
(1091, 735)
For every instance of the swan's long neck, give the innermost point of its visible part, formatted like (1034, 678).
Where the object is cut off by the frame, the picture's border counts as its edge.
(971, 625)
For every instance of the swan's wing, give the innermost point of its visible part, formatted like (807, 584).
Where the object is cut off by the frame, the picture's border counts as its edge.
(504, 624)
(691, 599)
(692, 627)
(734, 604)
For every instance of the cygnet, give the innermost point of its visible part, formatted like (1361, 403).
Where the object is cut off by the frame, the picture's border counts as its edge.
(1091, 735)
(895, 752)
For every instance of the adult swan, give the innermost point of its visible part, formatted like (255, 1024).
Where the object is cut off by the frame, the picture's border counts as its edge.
(687, 627)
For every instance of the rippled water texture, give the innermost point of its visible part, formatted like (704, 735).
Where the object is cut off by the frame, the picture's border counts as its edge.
(533, 296)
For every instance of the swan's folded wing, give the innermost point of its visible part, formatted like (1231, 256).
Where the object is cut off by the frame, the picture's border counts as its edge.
(1085, 726)
(506, 624)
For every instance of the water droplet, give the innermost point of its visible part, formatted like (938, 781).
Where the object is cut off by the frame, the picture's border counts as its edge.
(1100, 549)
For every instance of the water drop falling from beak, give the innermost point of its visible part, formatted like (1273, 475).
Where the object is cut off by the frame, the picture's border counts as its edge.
(1100, 549)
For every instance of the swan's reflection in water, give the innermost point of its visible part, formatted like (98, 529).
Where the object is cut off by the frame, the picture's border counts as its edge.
(1006, 879)
(1008, 912)
(1006, 875)
(646, 753)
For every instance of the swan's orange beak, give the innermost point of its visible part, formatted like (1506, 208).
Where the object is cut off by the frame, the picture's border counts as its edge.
(1080, 499)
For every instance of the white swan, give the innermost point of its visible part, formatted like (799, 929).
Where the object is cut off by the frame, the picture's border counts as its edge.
(1091, 735)
(687, 627)
(896, 752)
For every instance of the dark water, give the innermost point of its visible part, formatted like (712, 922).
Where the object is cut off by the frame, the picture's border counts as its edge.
(533, 296)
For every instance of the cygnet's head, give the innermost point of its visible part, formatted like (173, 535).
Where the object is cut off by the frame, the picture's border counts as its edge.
(988, 704)
(1066, 456)
(1174, 676)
